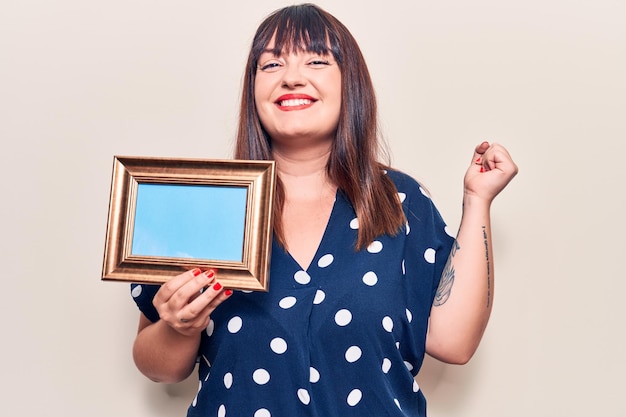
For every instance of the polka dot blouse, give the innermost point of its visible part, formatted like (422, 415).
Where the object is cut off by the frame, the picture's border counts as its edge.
(343, 338)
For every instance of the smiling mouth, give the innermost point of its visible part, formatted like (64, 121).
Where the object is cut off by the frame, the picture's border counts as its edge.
(294, 102)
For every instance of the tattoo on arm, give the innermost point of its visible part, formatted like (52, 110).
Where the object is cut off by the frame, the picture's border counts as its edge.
(447, 279)
(488, 266)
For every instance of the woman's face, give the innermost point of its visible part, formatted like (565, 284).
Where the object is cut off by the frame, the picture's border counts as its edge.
(298, 97)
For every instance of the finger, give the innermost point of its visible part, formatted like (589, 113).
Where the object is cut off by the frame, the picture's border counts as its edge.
(499, 158)
(202, 319)
(479, 151)
(205, 303)
(481, 148)
(170, 287)
(478, 156)
(192, 288)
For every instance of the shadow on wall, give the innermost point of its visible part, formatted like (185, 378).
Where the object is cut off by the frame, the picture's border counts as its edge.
(166, 400)
(447, 387)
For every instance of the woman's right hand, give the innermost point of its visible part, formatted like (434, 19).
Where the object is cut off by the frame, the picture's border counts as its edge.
(186, 301)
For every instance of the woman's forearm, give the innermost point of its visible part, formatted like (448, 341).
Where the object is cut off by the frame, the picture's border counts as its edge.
(464, 299)
(163, 354)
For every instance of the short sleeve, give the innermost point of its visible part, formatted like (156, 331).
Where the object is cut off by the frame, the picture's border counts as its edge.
(143, 294)
(429, 239)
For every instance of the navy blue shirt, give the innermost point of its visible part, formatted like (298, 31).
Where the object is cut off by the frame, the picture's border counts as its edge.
(343, 338)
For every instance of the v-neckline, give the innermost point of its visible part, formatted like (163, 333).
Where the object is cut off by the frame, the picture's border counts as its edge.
(320, 245)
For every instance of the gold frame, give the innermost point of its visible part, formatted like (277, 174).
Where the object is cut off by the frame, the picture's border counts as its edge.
(259, 177)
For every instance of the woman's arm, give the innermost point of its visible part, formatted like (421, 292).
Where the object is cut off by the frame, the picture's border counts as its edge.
(464, 299)
(162, 354)
(166, 351)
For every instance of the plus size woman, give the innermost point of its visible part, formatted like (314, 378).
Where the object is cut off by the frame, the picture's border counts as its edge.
(365, 277)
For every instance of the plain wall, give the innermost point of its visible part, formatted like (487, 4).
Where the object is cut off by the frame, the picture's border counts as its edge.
(81, 81)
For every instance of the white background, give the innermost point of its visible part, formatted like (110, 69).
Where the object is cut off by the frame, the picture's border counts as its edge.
(81, 81)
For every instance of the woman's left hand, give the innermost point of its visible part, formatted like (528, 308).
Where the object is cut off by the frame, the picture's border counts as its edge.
(492, 168)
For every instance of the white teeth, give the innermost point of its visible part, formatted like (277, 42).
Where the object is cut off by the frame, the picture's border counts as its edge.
(295, 102)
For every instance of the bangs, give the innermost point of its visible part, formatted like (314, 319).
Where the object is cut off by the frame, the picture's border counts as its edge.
(296, 29)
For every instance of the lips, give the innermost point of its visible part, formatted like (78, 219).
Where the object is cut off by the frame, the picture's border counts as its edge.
(294, 101)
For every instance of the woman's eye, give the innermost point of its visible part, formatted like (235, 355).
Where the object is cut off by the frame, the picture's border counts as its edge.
(319, 62)
(270, 67)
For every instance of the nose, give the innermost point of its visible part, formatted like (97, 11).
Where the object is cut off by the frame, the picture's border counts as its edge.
(293, 76)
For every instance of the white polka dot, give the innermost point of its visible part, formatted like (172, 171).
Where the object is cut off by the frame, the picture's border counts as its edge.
(448, 231)
(304, 396)
(325, 260)
(409, 315)
(195, 400)
(302, 277)
(234, 324)
(397, 345)
(416, 386)
(319, 297)
(429, 255)
(228, 380)
(375, 247)
(136, 292)
(370, 278)
(354, 224)
(246, 291)
(408, 228)
(210, 328)
(423, 191)
(353, 354)
(221, 412)
(386, 365)
(408, 365)
(278, 345)
(395, 400)
(343, 317)
(287, 302)
(402, 197)
(262, 412)
(261, 376)
(388, 324)
(354, 397)
(314, 375)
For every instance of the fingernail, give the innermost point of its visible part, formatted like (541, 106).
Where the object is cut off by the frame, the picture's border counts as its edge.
(196, 272)
(482, 169)
(228, 293)
(210, 273)
(478, 160)
(217, 286)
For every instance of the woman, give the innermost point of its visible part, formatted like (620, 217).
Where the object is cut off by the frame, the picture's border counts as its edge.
(361, 282)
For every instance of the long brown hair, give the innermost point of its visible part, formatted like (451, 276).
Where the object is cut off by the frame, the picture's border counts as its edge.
(353, 164)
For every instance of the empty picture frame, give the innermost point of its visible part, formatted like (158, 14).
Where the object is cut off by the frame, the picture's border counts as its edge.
(170, 215)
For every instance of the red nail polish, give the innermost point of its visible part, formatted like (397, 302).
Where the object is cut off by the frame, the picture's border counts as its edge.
(210, 273)
(478, 160)
(228, 293)
(482, 169)
(196, 272)
(217, 286)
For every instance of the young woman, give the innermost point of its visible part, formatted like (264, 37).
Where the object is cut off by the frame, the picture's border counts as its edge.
(365, 277)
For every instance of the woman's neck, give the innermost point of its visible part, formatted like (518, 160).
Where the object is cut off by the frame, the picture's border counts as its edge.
(303, 172)
(302, 162)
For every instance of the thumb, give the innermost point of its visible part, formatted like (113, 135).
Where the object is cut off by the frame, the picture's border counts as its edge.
(479, 151)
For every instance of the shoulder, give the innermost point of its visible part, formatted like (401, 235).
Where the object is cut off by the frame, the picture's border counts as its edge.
(415, 199)
(406, 185)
